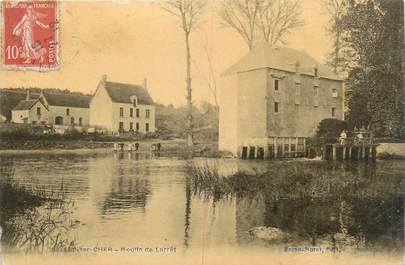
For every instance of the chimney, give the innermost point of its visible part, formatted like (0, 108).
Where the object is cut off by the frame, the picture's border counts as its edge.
(103, 79)
(28, 97)
(145, 83)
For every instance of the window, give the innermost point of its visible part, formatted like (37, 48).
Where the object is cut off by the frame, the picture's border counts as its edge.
(72, 121)
(334, 93)
(276, 85)
(67, 112)
(292, 147)
(131, 126)
(146, 127)
(134, 102)
(137, 126)
(34, 122)
(131, 112)
(315, 90)
(38, 111)
(121, 112)
(333, 112)
(80, 121)
(276, 106)
(316, 72)
(121, 126)
(147, 114)
(137, 113)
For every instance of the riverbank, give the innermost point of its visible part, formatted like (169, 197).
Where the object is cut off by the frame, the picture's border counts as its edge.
(84, 147)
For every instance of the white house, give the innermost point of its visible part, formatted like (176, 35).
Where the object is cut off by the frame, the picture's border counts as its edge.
(30, 111)
(54, 109)
(67, 109)
(118, 107)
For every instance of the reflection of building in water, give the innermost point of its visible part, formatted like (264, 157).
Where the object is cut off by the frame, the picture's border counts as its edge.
(126, 192)
(249, 214)
(334, 221)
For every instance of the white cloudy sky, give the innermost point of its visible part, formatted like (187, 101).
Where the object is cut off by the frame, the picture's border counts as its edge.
(130, 40)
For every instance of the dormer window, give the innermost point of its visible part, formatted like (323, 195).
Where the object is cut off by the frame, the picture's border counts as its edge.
(134, 101)
(316, 74)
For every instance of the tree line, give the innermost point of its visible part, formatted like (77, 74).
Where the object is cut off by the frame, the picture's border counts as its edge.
(368, 50)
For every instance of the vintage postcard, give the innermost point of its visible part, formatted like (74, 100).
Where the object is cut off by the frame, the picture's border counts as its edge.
(210, 132)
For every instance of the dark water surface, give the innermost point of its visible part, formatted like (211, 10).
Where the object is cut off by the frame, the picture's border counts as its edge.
(141, 201)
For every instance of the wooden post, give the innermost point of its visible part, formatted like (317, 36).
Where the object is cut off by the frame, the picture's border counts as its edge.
(344, 152)
(350, 152)
(373, 152)
(334, 152)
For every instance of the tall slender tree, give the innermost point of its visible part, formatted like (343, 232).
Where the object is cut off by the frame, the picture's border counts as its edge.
(189, 14)
(335, 10)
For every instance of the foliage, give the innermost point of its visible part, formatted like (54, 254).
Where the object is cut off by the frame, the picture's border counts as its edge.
(171, 122)
(313, 200)
(328, 132)
(372, 34)
(33, 220)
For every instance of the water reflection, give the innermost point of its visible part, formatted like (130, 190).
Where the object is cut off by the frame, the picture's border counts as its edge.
(342, 205)
(126, 199)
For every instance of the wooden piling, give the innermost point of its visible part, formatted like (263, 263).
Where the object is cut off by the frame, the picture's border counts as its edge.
(333, 152)
(344, 152)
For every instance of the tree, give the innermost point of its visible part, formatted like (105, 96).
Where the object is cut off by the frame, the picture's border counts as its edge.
(277, 18)
(241, 15)
(335, 10)
(267, 20)
(372, 31)
(189, 13)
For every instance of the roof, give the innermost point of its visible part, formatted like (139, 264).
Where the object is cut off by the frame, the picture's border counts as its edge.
(68, 100)
(264, 55)
(121, 93)
(25, 104)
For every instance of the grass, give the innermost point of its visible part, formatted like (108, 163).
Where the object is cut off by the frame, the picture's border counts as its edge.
(33, 220)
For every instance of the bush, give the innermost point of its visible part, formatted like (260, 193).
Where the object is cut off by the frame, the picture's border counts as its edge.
(328, 132)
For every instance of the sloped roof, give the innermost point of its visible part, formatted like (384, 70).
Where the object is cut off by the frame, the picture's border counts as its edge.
(68, 100)
(264, 55)
(25, 104)
(121, 93)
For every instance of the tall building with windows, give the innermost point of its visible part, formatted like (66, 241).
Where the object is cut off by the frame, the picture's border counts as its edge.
(273, 99)
(118, 107)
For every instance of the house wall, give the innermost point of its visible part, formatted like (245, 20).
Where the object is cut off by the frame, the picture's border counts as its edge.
(252, 107)
(126, 119)
(250, 119)
(31, 115)
(76, 113)
(101, 106)
(300, 109)
(18, 116)
(228, 113)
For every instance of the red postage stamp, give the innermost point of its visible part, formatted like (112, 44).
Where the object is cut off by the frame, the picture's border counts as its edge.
(30, 35)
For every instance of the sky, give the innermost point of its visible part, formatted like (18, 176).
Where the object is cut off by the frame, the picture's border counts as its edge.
(131, 40)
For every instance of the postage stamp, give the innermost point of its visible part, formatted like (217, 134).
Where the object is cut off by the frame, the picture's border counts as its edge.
(30, 35)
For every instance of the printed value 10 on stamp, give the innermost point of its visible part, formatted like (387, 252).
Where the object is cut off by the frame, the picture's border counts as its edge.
(30, 35)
